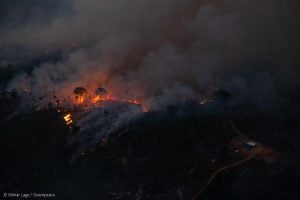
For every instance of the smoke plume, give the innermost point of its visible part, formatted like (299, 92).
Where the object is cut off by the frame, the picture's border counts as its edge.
(158, 51)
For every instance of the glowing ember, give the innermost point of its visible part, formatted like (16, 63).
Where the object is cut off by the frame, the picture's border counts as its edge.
(134, 101)
(68, 119)
(137, 102)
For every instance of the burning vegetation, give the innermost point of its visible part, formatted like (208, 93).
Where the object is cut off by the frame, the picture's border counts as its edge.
(68, 119)
(101, 95)
(84, 99)
(80, 95)
(94, 115)
(190, 150)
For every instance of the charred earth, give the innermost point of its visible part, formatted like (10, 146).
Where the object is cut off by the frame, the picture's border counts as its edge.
(167, 154)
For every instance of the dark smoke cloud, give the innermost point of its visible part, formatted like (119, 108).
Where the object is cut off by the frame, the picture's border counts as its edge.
(15, 12)
(165, 50)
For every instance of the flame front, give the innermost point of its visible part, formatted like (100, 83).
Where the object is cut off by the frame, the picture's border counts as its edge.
(101, 98)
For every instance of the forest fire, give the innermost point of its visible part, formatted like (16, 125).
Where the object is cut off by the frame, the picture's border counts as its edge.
(80, 95)
(98, 99)
(84, 99)
(84, 103)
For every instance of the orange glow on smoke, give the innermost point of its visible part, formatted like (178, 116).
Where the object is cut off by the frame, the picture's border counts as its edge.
(79, 100)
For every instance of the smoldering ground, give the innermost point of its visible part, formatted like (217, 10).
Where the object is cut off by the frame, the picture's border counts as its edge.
(159, 50)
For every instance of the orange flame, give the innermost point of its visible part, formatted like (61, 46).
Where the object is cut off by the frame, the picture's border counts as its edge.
(79, 99)
(68, 119)
(100, 98)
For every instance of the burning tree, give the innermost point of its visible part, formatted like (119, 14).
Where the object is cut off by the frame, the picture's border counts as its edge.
(80, 95)
(100, 94)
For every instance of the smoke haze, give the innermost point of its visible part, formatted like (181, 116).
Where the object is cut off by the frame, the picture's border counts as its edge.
(156, 50)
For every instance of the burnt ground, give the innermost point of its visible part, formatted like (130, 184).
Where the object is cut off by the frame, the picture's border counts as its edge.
(163, 155)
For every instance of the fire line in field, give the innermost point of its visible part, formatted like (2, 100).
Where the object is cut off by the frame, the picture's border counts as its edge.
(85, 101)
